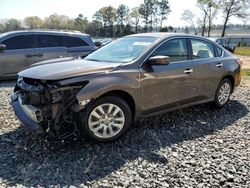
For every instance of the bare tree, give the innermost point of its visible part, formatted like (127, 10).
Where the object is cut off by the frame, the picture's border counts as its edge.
(213, 6)
(188, 16)
(202, 21)
(209, 9)
(135, 15)
(233, 8)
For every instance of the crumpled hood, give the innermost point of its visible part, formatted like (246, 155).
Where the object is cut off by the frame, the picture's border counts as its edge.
(68, 69)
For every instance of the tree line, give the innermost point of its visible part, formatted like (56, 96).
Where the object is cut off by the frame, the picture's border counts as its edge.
(147, 17)
(106, 22)
(210, 10)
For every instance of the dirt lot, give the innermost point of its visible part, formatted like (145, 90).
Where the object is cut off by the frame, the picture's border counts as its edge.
(246, 61)
(193, 147)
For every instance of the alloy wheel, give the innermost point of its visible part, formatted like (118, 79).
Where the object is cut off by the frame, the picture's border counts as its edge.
(224, 93)
(106, 120)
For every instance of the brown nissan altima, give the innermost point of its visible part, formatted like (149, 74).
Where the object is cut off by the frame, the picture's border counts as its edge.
(131, 78)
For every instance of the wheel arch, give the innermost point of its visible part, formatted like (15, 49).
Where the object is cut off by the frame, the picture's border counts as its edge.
(125, 96)
(231, 78)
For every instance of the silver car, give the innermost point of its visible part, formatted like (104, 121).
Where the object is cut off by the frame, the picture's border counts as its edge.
(20, 49)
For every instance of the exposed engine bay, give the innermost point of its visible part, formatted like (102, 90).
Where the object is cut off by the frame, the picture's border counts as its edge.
(53, 107)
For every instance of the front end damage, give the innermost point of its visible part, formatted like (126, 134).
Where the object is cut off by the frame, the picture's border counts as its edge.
(48, 108)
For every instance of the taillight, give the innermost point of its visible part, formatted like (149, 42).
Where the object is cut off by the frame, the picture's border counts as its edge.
(239, 76)
(239, 62)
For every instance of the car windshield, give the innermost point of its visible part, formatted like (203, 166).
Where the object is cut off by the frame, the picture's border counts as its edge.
(122, 50)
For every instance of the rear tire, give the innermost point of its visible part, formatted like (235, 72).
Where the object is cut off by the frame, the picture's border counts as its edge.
(223, 93)
(106, 119)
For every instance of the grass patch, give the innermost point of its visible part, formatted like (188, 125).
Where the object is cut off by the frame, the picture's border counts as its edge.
(243, 50)
(245, 72)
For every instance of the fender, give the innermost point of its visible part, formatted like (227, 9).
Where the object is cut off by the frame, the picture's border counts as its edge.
(111, 81)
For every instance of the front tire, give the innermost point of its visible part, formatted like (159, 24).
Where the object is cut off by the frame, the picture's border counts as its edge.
(223, 93)
(106, 119)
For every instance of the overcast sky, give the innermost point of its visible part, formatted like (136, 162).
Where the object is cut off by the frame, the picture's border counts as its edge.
(21, 8)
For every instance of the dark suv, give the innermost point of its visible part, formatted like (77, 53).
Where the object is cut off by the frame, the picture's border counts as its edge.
(131, 78)
(225, 43)
(20, 49)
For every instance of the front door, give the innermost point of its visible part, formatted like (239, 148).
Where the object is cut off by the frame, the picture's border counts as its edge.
(168, 86)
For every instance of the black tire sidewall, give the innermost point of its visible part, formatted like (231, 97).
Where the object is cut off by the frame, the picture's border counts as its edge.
(216, 99)
(84, 115)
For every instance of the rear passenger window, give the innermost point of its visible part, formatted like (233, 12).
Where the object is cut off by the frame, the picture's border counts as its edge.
(202, 49)
(17, 42)
(74, 42)
(219, 51)
(176, 49)
(44, 41)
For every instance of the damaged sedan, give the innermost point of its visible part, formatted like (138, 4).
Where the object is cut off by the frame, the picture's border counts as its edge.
(134, 77)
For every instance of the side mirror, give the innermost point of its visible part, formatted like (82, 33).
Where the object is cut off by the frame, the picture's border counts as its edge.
(98, 44)
(2, 47)
(159, 60)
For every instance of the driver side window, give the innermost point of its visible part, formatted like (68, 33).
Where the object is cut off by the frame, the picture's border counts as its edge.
(176, 49)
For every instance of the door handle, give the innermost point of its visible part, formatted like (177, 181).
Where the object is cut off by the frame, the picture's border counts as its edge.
(39, 55)
(28, 55)
(188, 71)
(35, 55)
(219, 65)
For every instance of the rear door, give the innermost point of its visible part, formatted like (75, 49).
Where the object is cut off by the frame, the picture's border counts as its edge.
(49, 46)
(168, 86)
(209, 67)
(18, 55)
(77, 46)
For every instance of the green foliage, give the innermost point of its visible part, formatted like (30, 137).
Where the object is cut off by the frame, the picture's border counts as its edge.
(241, 44)
(167, 29)
(33, 22)
(2, 28)
(80, 23)
(146, 10)
(106, 22)
(12, 25)
(121, 16)
(164, 10)
(154, 12)
(245, 50)
(245, 72)
(108, 15)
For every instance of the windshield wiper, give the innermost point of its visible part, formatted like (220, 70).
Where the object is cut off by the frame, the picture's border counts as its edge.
(92, 59)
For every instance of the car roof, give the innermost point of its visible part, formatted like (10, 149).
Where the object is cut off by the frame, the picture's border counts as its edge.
(164, 35)
(41, 31)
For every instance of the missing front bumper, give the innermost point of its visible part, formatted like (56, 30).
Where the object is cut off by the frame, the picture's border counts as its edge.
(29, 116)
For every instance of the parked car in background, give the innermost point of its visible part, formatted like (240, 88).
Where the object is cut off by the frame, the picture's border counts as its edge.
(20, 49)
(100, 42)
(225, 43)
(128, 79)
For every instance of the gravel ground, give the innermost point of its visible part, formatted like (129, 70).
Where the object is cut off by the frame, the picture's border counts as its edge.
(193, 147)
(245, 60)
